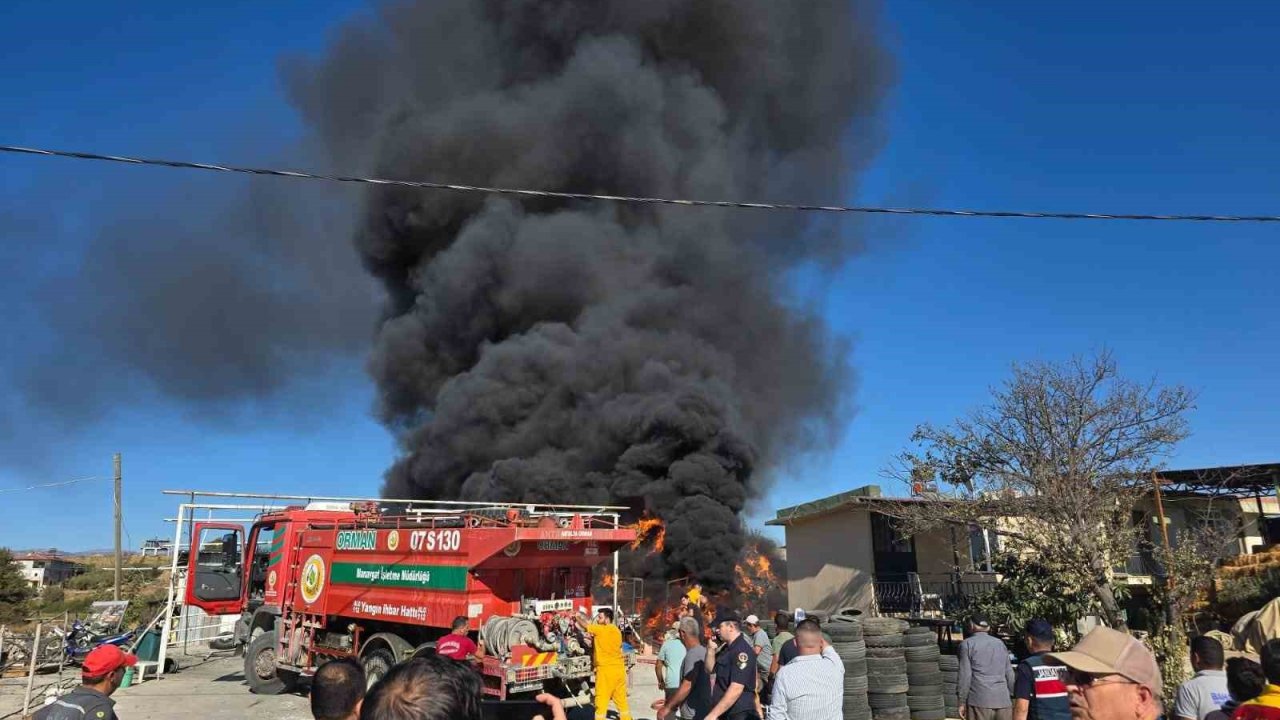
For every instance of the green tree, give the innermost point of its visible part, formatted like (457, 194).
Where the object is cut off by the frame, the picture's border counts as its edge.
(1034, 588)
(14, 591)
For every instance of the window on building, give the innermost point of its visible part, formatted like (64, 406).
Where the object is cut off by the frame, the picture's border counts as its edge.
(886, 538)
(984, 543)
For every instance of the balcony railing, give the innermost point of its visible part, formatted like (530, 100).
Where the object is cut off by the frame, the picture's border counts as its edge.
(931, 595)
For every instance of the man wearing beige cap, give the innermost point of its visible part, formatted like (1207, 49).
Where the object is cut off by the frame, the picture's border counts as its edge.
(1111, 676)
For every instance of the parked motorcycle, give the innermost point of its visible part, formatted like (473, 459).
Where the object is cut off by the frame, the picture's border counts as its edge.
(80, 639)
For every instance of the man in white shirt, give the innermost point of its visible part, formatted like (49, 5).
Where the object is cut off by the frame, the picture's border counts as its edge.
(810, 687)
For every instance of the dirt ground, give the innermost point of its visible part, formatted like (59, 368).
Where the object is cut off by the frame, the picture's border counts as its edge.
(212, 688)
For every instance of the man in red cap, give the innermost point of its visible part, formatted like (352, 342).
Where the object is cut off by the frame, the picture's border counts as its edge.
(101, 674)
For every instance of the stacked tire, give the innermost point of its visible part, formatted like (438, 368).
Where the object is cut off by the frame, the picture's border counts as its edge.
(924, 676)
(950, 667)
(848, 641)
(886, 668)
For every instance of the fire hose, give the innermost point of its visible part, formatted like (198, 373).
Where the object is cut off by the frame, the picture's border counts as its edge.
(500, 634)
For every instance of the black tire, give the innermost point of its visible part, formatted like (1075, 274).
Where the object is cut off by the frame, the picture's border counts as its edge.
(929, 715)
(855, 668)
(949, 662)
(919, 630)
(223, 642)
(855, 684)
(850, 650)
(921, 702)
(925, 691)
(856, 701)
(933, 680)
(260, 670)
(377, 663)
(918, 654)
(883, 641)
(891, 714)
(918, 640)
(883, 626)
(916, 668)
(886, 666)
(879, 652)
(884, 701)
(887, 684)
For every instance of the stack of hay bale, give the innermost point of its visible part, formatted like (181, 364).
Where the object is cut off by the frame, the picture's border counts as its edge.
(924, 676)
(950, 666)
(847, 639)
(886, 668)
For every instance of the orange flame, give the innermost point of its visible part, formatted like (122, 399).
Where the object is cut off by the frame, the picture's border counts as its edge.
(607, 580)
(650, 530)
(755, 579)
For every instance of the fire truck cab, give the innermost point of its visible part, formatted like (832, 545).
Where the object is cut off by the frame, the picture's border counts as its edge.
(380, 582)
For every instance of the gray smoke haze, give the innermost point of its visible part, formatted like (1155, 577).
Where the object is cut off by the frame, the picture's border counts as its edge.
(586, 352)
(208, 297)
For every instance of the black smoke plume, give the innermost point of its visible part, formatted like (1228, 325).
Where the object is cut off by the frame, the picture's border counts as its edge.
(545, 350)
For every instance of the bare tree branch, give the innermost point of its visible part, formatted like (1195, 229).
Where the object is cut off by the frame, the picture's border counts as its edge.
(1055, 464)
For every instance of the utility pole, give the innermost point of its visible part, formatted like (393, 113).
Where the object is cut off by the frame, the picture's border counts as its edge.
(119, 555)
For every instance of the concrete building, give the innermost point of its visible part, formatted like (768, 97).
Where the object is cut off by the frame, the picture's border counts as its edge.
(157, 547)
(842, 553)
(42, 569)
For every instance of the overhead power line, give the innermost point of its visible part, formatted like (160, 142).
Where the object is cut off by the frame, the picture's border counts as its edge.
(635, 199)
(51, 485)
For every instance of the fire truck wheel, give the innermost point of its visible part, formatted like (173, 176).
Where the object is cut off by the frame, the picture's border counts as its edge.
(377, 663)
(260, 667)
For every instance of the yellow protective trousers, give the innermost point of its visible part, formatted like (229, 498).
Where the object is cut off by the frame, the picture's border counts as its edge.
(611, 684)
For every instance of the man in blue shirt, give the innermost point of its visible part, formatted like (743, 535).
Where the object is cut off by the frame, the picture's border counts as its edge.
(670, 658)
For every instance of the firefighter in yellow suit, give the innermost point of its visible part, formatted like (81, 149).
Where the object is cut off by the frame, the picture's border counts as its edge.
(611, 666)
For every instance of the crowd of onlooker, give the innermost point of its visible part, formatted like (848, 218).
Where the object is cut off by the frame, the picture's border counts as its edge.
(732, 669)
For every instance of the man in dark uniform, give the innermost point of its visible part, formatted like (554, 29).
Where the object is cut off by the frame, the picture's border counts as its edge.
(733, 662)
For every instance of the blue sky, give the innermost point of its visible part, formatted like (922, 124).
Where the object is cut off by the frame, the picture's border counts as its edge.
(1090, 106)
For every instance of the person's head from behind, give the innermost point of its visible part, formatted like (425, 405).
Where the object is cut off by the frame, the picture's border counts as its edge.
(1039, 635)
(1245, 680)
(1111, 676)
(808, 638)
(1206, 653)
(604, 616)
(783, 621)
(1271, 661)
(459, 625)
(104, 667)
(432, 687)
(979, 623)
(337, 690)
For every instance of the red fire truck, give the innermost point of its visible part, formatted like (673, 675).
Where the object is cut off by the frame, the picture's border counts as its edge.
(329, 580)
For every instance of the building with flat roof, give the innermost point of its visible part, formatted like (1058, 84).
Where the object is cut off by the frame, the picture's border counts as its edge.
(846, 551)
(42, 569)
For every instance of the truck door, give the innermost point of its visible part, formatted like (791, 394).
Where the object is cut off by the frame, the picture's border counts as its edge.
(215, 568)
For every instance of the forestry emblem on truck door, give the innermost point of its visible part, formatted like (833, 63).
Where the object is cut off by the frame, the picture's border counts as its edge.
(393, 540)
(312, 579)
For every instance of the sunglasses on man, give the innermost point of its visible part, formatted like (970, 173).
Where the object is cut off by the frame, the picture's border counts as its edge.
(1084, 680)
